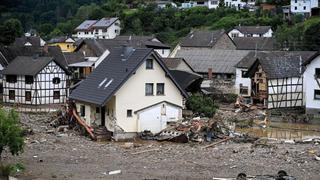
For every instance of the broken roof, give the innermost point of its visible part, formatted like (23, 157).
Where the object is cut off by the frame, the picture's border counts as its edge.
(255, 43)
(221, 61)
(74, 57)
(202, 38)
(253, 29)
(112, 73)
(185, 79)
(280, 64)
(26, 65)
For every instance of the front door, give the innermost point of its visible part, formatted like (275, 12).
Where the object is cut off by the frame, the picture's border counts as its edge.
(103, 116)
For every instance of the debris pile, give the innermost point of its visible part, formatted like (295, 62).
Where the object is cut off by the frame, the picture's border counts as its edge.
(195, 130)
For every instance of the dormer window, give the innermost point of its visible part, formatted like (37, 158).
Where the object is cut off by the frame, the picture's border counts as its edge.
(149, 64)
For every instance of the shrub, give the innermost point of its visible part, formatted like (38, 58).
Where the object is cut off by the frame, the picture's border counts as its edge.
(201, 105)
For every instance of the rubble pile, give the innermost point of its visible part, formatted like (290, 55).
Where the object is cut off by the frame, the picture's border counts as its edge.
(195, 130)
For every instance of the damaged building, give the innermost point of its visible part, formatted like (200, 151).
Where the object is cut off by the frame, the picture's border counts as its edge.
(277, 78)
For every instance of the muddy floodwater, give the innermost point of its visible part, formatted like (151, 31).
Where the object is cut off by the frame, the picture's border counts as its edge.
(284, 130)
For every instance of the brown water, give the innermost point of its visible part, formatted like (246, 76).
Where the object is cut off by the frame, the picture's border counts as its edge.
(282, 130)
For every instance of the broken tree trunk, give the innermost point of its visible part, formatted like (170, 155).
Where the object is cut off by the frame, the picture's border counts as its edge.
(82, 123)
(215, 143)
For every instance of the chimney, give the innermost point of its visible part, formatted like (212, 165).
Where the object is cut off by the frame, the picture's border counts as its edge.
(210, 73)
(46, 49)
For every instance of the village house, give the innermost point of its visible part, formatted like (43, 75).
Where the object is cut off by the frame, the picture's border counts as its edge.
(216, 66)
(164, 4)
(311, 85)
(105, 28)
(130, 91)
(35, 80)
(255, 43)
(205, 40)
(251, 31)
(239, 4)
(277, 78)
(66, 44)
(303, 7)
(34, 41)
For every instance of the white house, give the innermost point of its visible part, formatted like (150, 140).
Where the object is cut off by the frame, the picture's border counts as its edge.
(211, 4)
(164, 4)
(35, 81)
(129, 92)
(303, 6)
(105, 28)
(311, 85)
(251, 31)
(239, 4)
(243, 83)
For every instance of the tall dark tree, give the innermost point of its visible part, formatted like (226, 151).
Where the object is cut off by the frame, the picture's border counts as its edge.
(312, 37)
(9, 30)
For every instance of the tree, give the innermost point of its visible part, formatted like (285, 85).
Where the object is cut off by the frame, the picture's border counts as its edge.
(202, 105)
(312, 37)
(10, 29)
(10, 133)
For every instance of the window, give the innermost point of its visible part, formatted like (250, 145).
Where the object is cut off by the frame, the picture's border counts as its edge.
(12, 95)
(56, 94)
(28, 95)
(304, 8)
(234, 35)
(97, 109)
(243, 74)
(295, 1)
(11, 78)
(244, 90)
(317, 75)
(160, 88)
(317, 94)
(56, 80)
(129, 113)
(149, 64)
(29, 79)
(82, 110)
(68, 46)
(295, 8)
(149, 89)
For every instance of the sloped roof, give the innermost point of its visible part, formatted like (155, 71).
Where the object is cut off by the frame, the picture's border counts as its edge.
(60, 39)
(74, 57)
(85, 25)
(255, 43)
(8, 53)
(26, 65)
(253, 29)
(33, 40)
(281, 64)
(98, 46)
(202, 38)
(247, 61)
(173, 63)
(221, 61)
(105, 22)
(112, 73)
(185, 79)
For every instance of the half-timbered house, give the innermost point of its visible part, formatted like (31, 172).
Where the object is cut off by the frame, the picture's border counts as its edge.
(277, 78)
(33, 80)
